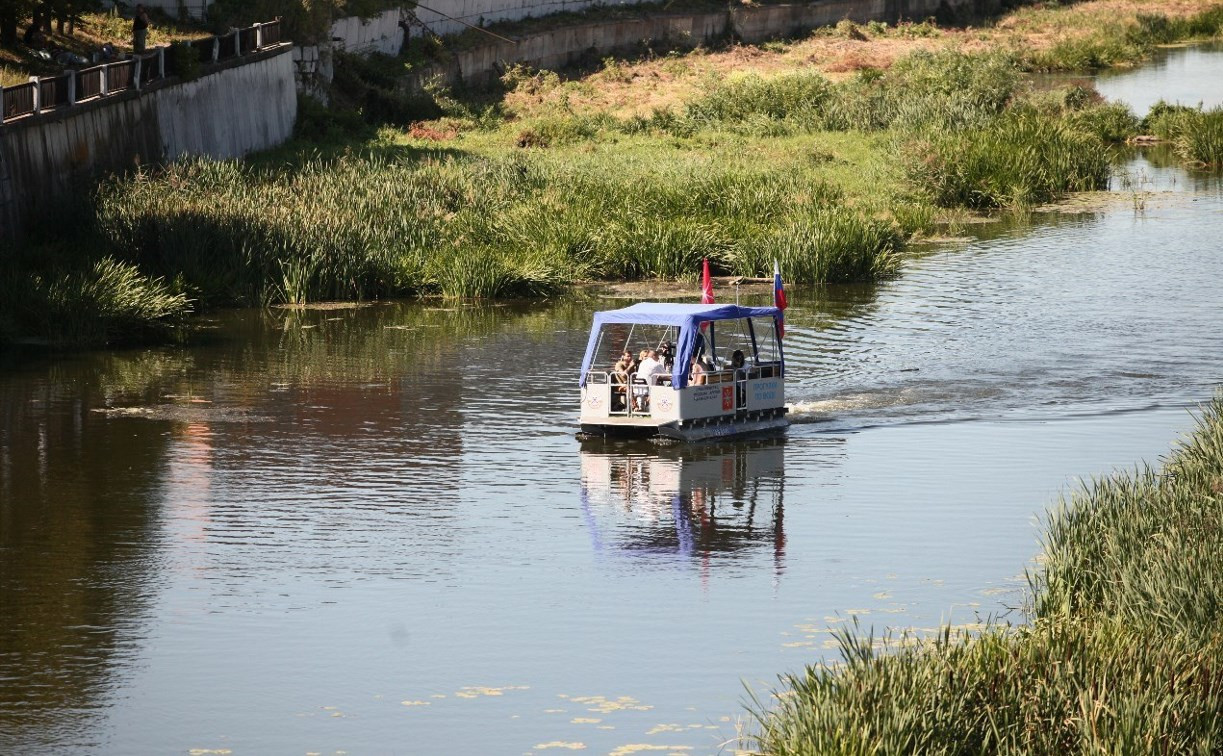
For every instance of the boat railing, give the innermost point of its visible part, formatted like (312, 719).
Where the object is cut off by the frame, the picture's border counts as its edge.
(631, 398)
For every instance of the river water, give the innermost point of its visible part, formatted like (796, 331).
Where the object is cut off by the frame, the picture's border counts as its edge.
(371, 530)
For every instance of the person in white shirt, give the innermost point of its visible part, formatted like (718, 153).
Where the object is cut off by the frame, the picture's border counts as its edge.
(648, 371)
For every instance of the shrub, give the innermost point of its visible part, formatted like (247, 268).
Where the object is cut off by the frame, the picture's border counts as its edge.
(1022, 159)
(183, 61)
(1114, 122)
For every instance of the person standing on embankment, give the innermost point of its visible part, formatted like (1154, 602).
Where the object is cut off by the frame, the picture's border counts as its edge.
(140, 29)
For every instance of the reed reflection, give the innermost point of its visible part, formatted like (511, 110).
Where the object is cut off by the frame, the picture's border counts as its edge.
(687, 502)
(78, 548)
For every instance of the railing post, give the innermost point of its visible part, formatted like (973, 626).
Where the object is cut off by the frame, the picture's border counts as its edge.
(37, 96)
(1, 104)
(104, 80)
(71, 88)
(258, 36)
(137, 64)
(237, 43)
(216, 49)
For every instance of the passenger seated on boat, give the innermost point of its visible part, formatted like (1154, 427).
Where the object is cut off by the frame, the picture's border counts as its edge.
(648, 373)
(621, 374)
(697, 375)
(740, 377)
(624, 367)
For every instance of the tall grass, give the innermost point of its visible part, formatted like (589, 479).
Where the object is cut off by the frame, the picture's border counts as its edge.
(1123, 652)
(106, 303)
(1023, 159)
(517, 226)
(924, 90)
(1119, 42)
(1196, 134)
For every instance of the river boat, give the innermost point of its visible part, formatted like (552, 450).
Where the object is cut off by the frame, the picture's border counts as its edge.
(723, 376)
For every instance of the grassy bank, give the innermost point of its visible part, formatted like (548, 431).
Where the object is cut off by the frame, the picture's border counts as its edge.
(1122, 652)
(829, 178)
(522, 192)
(794, 167)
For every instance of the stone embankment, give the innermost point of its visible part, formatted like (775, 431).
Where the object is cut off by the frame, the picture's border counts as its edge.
(232, 110)
(563, 46)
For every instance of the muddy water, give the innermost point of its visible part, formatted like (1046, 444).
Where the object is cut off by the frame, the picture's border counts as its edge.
(371, 530)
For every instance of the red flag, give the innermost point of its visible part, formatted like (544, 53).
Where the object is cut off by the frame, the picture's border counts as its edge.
(779, 298)
(706, 285)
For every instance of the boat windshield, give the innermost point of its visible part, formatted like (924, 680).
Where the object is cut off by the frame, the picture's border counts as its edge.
(711, 334)
(635, 338)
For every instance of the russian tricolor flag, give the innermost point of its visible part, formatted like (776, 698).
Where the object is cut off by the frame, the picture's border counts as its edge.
(779, 298)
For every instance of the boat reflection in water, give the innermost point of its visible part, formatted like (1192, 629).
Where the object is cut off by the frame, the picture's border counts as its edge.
(686, 501)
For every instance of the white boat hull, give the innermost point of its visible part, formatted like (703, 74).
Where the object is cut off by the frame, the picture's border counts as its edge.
(702, 429)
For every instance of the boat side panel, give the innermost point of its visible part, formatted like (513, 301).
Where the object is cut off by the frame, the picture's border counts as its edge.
(665, 403)
(765, 393)
(596, 401)
(706, 401)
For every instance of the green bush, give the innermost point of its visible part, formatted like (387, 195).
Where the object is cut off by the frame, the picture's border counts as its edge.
(106, 303)
(183, 61)
(1019, 160)
(1113, 123)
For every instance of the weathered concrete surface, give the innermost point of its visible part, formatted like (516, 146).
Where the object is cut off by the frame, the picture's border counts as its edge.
(242, 110)
(444, 16)
(565, 46)
(380, 34)
(246, 106)
(764, 22)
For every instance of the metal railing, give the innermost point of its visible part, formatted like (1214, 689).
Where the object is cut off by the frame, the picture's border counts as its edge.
(19, 100)
(119, 76)
(138, 71)
(55, 91)
(90, 82)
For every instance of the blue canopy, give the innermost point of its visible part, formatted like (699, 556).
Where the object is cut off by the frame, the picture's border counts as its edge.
(686, 317)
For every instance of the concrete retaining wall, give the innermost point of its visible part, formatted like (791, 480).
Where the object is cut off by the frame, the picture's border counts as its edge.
(380, 34)
(565, 46)
(172, 8)
(243, 107)
(484, 12)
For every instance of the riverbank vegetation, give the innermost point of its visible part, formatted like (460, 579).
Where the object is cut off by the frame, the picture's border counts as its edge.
(1122, 651)
(828, 177)
(637, 170)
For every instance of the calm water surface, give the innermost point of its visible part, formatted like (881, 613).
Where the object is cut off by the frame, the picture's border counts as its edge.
(1176, 75)
(371, 530)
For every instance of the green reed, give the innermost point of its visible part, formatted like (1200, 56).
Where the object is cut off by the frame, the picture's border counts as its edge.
(1122, 652)
(521, 225)
(524, 209)
(943, 90)
(1022, 159)
(1197, 134)
(106, 302)
(1120, 43)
